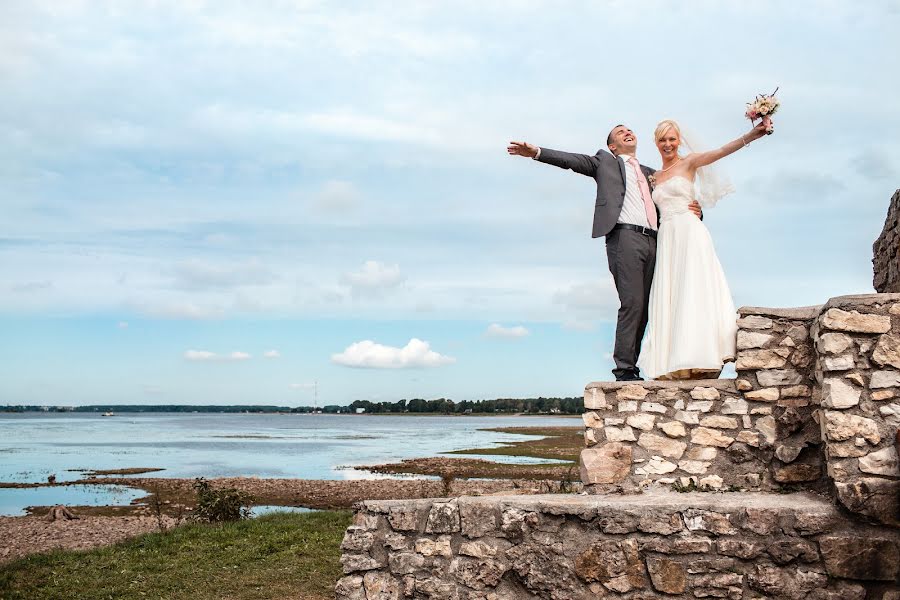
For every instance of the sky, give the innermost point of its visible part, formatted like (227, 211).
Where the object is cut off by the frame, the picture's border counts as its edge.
(296, 202)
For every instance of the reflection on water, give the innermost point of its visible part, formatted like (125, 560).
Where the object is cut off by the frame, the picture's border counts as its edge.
(14, 500)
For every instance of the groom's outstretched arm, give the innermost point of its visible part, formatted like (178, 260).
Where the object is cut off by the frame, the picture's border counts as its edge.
(580, 163)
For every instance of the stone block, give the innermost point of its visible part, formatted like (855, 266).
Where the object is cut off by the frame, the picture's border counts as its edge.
(754, 322)
(774, 377)
(719, 422)
(858, 557)
(734, 406)
(873, 497)
(710, 437)
(667, 576)
(631, 392)
(763, 395)
(641, 421)
(443, 518)
(700, 405)
(881, 462)
(610, 463)
(753, 339)
(839, 426)
(759, 359)
(654, 407)
(837, 393)
(887, 351)
(884, 379)
(664, 446)
(673, 429)
(834, 343)
(619, 434)
(594, 399)
(854, 321)
(705, 393)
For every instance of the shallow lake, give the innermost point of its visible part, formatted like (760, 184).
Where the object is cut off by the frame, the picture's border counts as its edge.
(34, 446)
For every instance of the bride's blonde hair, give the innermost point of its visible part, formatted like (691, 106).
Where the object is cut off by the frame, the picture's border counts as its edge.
(664, 126)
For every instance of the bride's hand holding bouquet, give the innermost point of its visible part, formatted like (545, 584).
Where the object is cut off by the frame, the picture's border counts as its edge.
(763, 107)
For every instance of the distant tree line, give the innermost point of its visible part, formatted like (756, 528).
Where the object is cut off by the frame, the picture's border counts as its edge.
(565, 406)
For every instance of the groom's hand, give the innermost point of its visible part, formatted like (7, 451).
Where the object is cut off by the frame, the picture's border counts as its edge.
(695, 208)
(522, 149)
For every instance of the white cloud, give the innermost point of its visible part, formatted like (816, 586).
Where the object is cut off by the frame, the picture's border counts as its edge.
(366, 354)
(122, 325)
(373, 279)
(271, 354)
(205, 355)
(496, 330)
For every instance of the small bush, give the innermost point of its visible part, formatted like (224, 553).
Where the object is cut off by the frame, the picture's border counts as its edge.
(219, 506)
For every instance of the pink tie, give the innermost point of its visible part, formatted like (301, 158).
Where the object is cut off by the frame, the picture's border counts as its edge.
(645, 192)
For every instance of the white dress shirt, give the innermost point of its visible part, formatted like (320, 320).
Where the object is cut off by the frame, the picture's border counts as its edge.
(633, 211)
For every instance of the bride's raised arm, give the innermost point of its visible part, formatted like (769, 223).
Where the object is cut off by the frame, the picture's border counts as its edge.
(701, 159)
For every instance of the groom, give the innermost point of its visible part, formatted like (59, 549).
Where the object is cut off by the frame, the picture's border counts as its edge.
(626, 215)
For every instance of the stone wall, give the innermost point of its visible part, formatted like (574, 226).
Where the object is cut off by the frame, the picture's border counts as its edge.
(858, 370)
(775, 363)
(702, 433)
(886, 251)
(652, 545)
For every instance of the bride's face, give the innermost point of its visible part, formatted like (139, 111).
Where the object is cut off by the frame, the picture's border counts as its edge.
(668, 144)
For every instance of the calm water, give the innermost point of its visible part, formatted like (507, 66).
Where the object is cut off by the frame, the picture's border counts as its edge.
(35, 445)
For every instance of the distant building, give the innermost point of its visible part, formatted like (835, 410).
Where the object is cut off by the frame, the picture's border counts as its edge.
(360, 411)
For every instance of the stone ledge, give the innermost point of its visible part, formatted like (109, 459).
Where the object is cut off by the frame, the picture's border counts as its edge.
(799, 313)
(861, 300)
(654, 498)
(653, 545)
(726, 385)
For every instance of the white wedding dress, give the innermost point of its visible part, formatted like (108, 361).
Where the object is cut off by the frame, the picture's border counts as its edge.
(692, 323)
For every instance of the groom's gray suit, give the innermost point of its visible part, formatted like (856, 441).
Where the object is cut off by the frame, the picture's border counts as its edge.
(631, 253)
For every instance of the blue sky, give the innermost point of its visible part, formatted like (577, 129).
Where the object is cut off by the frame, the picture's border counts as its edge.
(188, 186)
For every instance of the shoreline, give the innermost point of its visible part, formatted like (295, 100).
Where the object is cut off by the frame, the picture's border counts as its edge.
(170, 501)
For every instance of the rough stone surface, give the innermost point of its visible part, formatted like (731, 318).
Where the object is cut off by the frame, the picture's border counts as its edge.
(774, 377)
(663, 446)
(610, 463)
(673, 429)
(667, 576)
(887, 351)
(853, 557)
(886, 251)
(839, 394)
(884, 379)
(853, 321)
(881, 462)
(834, 343)
(650, 545)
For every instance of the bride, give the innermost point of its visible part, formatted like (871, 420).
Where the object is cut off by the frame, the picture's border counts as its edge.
(692, 325)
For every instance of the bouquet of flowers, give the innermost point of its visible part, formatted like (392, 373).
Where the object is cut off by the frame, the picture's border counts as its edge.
(763, 107)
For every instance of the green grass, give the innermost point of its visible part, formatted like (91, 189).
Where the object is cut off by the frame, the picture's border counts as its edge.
(281, 555)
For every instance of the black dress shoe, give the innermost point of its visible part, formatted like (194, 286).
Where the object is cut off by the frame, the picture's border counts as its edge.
(630, 377)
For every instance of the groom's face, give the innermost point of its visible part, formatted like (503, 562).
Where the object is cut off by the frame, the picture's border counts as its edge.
(622, 140)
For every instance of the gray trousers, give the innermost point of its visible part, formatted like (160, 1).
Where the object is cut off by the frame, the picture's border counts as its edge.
(632, 258)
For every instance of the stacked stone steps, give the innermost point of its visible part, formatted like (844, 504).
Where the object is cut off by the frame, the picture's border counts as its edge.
(650, 545)
(813, 415)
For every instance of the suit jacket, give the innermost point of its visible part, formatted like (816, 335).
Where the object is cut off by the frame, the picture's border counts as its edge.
(609, 173)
